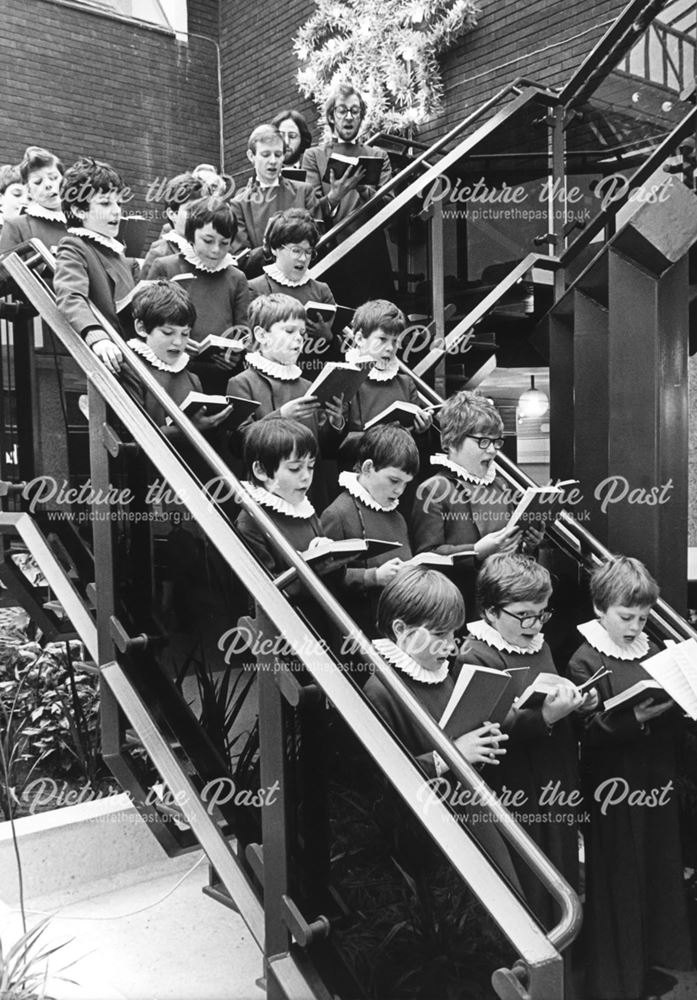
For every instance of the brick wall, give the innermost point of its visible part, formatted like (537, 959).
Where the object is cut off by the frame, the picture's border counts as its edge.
(81, 82)
(260, 67)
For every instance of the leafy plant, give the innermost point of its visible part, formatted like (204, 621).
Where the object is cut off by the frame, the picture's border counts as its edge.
(388, 51)
(49, 708)
(24, 967)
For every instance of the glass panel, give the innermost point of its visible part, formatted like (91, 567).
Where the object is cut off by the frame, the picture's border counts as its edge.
(494, 206)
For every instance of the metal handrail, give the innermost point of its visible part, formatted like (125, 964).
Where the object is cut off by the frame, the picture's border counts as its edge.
(308, 649)
(477, 314)
(529, 93)
(663, 31)
(603, 57)
(26, 527)
(653, 163)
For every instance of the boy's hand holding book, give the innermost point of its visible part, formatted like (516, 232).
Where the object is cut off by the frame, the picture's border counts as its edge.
(562, 701)
(504, 540)
(334, 410)
(481, 746)
(301, 408)
(388, 571)
(422, 421)
(202, 422)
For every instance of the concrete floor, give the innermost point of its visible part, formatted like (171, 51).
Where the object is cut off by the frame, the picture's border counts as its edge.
(149, 934)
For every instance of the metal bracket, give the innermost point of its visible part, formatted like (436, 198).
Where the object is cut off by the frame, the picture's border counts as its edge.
(125, 643)
(113, 443)
(511, 984)
(547, 238)
(303, 932)
(293, 691)
(9, 488)
(254, 853)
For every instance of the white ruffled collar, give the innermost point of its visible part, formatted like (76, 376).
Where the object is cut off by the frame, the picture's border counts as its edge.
(468, 477)
(349, 481)
(176, 240)
(396, 657)
(190, 255)
(354, 357)
(596, 636)
(39, 212)
(105, 241)
(488, 634)
(286, 373)
(274, 271)
(303, 511)
(140, 347)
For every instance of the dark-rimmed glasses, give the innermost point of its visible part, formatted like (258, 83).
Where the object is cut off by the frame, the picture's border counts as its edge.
(529, 621)
(484, 442)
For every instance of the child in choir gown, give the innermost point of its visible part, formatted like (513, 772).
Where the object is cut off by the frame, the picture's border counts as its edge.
(367, 507)
(464, 506)
(513, 592)
(91, 267)
(635, 914)
(290, 239)
(42, 216)
(217, 288)
(418, 613)
(274, 379)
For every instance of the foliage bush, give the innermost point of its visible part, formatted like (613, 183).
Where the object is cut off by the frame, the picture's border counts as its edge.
(49, 717)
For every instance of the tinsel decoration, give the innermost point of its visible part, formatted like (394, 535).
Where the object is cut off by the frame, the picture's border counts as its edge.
(387, 49)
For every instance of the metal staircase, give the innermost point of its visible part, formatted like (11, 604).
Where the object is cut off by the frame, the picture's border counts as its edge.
(276, 862)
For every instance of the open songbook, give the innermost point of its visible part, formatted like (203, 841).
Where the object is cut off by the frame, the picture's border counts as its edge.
(320, 312)
(242, 407)
(327, 554)
(436, 560)
(338, 378)
(534, 694)
(675, 670)
(401, 412)
(338, 164)
(213, 345)
(539, 504)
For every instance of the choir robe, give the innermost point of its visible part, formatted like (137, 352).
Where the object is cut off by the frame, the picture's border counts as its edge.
(635, 913)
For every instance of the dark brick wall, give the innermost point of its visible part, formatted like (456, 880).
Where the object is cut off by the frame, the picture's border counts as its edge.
(260, 66)
(537, 40)
(79, 82)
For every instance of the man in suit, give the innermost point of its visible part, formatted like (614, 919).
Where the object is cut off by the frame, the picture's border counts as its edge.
(369, 264)
(267, 193)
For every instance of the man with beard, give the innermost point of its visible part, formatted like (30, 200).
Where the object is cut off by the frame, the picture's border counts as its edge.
(366, 273)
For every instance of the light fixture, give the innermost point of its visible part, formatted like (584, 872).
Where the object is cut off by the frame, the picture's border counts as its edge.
(533, 402)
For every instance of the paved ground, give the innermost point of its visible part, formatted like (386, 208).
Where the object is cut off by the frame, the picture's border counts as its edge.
(147, 935)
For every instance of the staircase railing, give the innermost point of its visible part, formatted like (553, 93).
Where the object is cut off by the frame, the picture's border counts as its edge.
(411, 182)
(620, 37)
(24, 526)
(539, 950)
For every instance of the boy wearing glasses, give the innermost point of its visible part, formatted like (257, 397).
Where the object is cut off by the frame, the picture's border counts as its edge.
(266, 193)
(464, 507)
(513, 593)
(290, 240)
